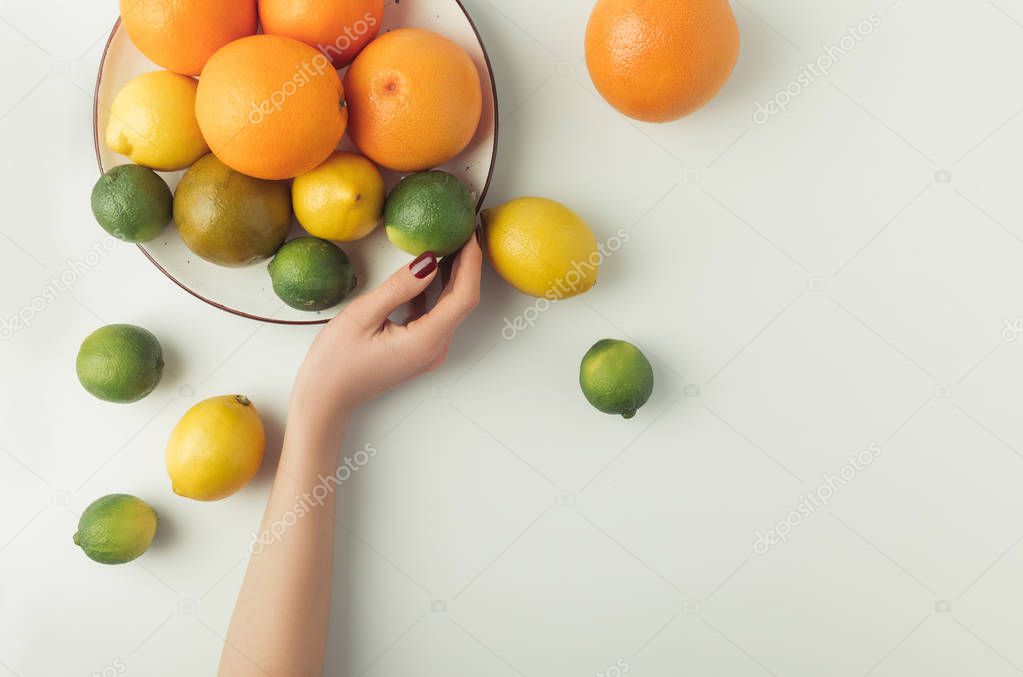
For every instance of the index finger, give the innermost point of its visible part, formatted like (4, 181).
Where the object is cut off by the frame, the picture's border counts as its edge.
(459, 298)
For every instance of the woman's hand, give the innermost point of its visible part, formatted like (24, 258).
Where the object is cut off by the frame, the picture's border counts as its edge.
(360, 353)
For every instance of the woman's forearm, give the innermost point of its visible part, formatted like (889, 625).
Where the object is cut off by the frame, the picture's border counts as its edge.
(279, 626)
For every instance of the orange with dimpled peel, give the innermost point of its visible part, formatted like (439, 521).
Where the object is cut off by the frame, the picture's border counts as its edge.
(271, 107)
(660, 60)
(181, 35)
(338, 29)
(415, 100)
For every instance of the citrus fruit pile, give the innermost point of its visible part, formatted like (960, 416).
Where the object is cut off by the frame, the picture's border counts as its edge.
(253, 108)
(258, 134)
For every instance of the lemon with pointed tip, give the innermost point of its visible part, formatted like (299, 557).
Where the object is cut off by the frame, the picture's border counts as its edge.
(541, 247)
(216, 448)
(153, 123)
(341, 200)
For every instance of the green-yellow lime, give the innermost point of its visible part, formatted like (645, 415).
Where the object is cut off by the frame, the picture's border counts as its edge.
(228, 218)
(120, 363)
(116, 529)
(616, 377)
(430, 212)
(132, 203)
(311, 274)
(342, 199)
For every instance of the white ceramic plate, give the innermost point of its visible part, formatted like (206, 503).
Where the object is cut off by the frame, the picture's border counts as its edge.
(247, 291)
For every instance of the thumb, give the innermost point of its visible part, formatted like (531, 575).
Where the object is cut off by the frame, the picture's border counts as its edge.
(373, 308)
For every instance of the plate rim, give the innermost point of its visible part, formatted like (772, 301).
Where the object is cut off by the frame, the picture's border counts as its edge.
(242, 313)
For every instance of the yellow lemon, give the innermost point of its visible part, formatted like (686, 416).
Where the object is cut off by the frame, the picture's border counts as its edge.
(152, 122)
(342, 199)
(541, 247)
(216, 448)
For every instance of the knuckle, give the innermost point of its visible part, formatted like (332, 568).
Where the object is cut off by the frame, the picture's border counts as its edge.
(435, 362)
(359, 314)
(351, 318)
(440, 360)
(469, 302)
(420, 358)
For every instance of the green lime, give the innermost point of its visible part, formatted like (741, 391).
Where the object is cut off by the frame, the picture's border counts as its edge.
(120, 363)
(116, 529)
(616, 377)
(430, 212)
(132, 203)
(311, 274)
(228, 218)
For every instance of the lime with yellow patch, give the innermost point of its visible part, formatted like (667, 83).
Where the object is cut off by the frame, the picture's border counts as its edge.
(541, 247)
(116, 529)
(120, 363)
(430, 212)
(616, 377)
(341, 200)
(216, 448)
(153, 123)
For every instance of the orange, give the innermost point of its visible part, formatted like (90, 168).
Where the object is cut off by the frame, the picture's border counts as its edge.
(181, 35)
(338, 29)
(659, 60)
(270, 107)
(414, 98)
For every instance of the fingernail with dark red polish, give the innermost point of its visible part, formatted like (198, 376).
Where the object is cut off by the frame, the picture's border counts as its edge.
(424, 264)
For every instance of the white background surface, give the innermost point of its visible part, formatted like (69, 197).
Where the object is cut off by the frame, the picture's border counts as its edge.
(837, 277)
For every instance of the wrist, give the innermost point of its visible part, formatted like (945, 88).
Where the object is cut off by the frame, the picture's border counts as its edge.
(317, 422)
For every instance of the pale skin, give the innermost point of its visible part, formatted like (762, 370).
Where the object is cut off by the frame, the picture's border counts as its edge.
(279, 625)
